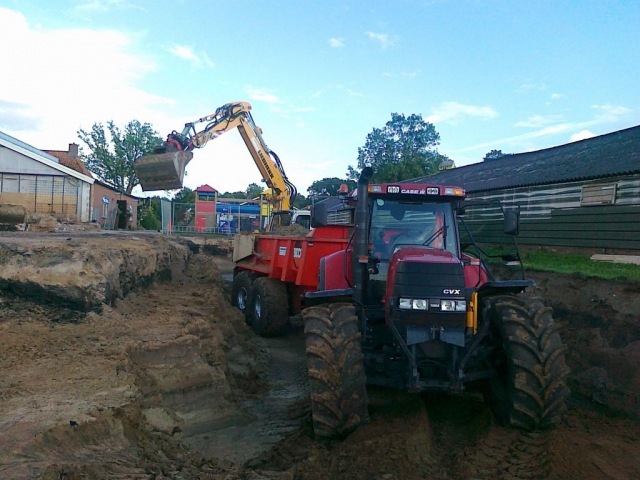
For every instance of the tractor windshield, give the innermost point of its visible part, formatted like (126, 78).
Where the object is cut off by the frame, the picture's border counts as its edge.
(395, 223)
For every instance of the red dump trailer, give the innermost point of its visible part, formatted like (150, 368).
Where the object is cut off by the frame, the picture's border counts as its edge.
(284, 269)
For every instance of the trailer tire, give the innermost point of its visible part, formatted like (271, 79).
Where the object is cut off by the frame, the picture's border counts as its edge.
(336, 369)
(241, 292)
(269, 307)
(530, 389)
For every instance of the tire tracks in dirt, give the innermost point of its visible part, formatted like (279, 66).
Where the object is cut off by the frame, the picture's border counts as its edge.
(271, 416)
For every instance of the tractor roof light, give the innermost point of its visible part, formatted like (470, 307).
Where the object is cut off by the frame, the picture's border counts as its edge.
(456, 192)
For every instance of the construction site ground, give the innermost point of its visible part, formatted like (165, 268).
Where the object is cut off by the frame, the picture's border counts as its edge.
(121, 357)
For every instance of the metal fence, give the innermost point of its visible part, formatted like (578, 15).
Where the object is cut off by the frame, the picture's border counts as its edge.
(107, 220)
(228, 219)
(48, 194)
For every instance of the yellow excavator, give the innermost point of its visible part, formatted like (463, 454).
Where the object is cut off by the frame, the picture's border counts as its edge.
(164, 169)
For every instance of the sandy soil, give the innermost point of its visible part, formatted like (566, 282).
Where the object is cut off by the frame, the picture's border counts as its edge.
(163, 379)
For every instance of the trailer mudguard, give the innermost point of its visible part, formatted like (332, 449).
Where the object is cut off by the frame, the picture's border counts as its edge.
(335, 271)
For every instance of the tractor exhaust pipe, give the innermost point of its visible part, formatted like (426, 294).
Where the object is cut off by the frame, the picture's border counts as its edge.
(361, 233)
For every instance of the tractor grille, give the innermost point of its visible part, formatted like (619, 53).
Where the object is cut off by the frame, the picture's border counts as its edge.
(428, 280)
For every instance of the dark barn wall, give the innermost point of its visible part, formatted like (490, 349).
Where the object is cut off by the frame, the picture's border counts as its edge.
(555, 215)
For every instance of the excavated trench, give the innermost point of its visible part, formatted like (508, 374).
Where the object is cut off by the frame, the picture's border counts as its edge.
(141, 369)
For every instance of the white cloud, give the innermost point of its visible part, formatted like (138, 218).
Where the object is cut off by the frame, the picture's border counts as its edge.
(101, 6)
(529, 86)
(556, 96)
(606, 114)
(65, 79)
(381, 38)
(537, 121)
(611, 112)
(336, 42)
(453, 111)
(187, 53)
(582, 135)
(262, 95)
(552, 130)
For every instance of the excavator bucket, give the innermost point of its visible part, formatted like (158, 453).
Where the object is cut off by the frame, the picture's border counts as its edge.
(162, 171)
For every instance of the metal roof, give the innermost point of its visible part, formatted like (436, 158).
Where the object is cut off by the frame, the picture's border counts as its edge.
(613, 154)
(38, 155)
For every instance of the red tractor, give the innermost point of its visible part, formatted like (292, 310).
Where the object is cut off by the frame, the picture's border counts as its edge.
(389, 298)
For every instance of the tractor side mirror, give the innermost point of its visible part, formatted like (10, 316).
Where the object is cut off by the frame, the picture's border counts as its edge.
(512, 222)
(319, 215)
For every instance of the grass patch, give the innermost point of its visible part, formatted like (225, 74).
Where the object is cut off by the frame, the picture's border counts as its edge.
(570, 264)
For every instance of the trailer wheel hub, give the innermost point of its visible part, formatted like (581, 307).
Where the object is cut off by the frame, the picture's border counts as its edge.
(257, 307)
(241, 299)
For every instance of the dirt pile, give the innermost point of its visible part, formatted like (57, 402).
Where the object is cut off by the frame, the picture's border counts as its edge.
(84, 272)
(115, 392)
(11, 216)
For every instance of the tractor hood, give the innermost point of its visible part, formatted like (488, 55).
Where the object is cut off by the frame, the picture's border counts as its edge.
(427, 273)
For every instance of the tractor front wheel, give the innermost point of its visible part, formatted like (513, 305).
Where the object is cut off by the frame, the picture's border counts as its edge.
(336, 369)
(529, 390)
(269, 307)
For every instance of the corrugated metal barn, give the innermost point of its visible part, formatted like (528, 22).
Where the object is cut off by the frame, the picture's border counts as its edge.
(584, 194)
(40, 183)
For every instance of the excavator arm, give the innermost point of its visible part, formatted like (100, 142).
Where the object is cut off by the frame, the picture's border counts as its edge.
(164, 169)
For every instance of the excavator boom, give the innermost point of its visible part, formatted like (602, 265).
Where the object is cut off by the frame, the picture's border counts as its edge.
(164, 169)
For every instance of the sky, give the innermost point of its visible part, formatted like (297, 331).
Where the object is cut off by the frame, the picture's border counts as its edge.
(489, 74)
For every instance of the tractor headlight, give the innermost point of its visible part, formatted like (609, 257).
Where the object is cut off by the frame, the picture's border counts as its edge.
(448, 305)
(453, 306)
(461, 306)
(413, 304)
(419, 304)
(405, 303)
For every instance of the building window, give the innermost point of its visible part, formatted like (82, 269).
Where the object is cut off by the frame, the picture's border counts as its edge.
(105, 207)
(598, 195)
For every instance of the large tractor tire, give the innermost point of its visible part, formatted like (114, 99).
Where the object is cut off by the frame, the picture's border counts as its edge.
(269, 307)
(530, 389)
(336, 369)
(241, 291)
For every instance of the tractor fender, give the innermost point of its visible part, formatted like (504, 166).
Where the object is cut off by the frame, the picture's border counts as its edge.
(335, 271)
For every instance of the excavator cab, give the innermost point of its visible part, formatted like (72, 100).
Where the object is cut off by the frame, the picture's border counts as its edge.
(162, 171)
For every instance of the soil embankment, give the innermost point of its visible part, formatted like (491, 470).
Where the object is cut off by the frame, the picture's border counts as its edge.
(122, 358)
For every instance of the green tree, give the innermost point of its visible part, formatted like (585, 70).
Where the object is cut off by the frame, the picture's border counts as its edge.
(112, 155)
(301, 201)
(329, 186)
(493, 155)
(404, 148)
(186, 195)
(232, 195)
(149, 214)
(253, 190)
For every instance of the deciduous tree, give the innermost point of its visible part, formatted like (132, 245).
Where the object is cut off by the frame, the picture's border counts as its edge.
(330, 186)
(493, 155)
(113, 151)
(404, 148)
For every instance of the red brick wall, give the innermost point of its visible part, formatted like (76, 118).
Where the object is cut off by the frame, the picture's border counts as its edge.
(100, 191)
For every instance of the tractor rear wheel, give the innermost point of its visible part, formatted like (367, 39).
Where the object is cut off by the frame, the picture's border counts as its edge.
(240, 292)
(530, 388)
(269, 307)
(336, 369)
